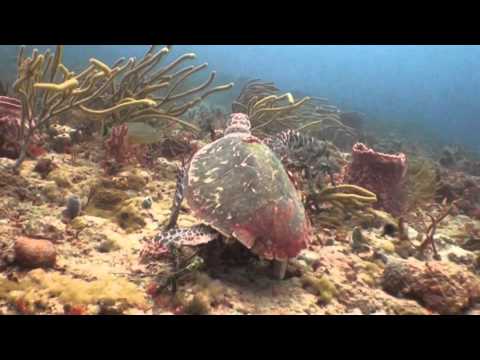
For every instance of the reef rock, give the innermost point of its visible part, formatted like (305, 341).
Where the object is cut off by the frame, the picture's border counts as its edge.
(135, 179)
(442, 287)
(47, 227)
(33, 253)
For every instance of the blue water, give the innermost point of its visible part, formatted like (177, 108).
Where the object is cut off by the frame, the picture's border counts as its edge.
(436, 87)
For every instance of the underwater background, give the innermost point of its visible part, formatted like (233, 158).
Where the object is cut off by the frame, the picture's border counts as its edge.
(229, 180)
(433, 88)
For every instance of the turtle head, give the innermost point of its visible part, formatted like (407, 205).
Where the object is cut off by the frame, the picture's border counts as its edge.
(238, 123)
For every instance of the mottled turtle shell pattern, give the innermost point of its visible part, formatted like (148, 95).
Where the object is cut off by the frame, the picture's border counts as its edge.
(240, 188)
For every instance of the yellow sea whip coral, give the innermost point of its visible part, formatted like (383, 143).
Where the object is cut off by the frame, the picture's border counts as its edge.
(165, 85)
(118, 107)
(47, 88)
(66, 85)
(101, 66)
(344, 199)
(271, 112)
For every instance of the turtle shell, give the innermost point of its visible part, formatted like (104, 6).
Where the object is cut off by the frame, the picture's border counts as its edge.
(240, 188)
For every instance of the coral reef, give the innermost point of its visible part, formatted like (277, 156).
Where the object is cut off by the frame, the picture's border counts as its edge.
(10, 106)
(382, 174)
(131, 97)
(462, 188)
(323, 120)
(97, 154)
(457, 158)
(443, 287)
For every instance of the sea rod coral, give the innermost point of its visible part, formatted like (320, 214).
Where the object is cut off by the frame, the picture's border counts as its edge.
(47, 88)
(144, 78)
(271, 112)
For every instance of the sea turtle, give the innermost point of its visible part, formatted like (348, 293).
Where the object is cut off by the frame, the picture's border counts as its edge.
(239, 188)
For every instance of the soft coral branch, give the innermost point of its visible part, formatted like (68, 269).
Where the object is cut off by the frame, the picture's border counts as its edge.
(431, 230)
(120, 152)
(11, 129)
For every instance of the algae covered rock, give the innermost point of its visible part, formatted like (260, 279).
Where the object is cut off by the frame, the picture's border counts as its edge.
(41, 287)
(320, 286)
(34, 253)
(86, 221)
(61, 177)
(48, 227)
(135, 179)
(131, 215)
(440, 286)
(44, 167)
(107, 245)
(54, 193)
(107, 199)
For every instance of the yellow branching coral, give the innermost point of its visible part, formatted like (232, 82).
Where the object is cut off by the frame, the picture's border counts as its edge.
(265, 108)
(47, 88)
(66, 85)
(344, 200)
(101, 66)
(270, 112)
(118, 107)
(146, 79)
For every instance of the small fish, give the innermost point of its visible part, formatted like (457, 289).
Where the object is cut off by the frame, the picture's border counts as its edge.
(144, 134)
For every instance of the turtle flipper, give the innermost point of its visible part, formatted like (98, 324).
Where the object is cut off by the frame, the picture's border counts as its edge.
(192, 236)
(178, 198)
(279, 269)
(168, 240)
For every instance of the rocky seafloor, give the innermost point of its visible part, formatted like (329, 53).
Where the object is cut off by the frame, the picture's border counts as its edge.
(91, 264)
